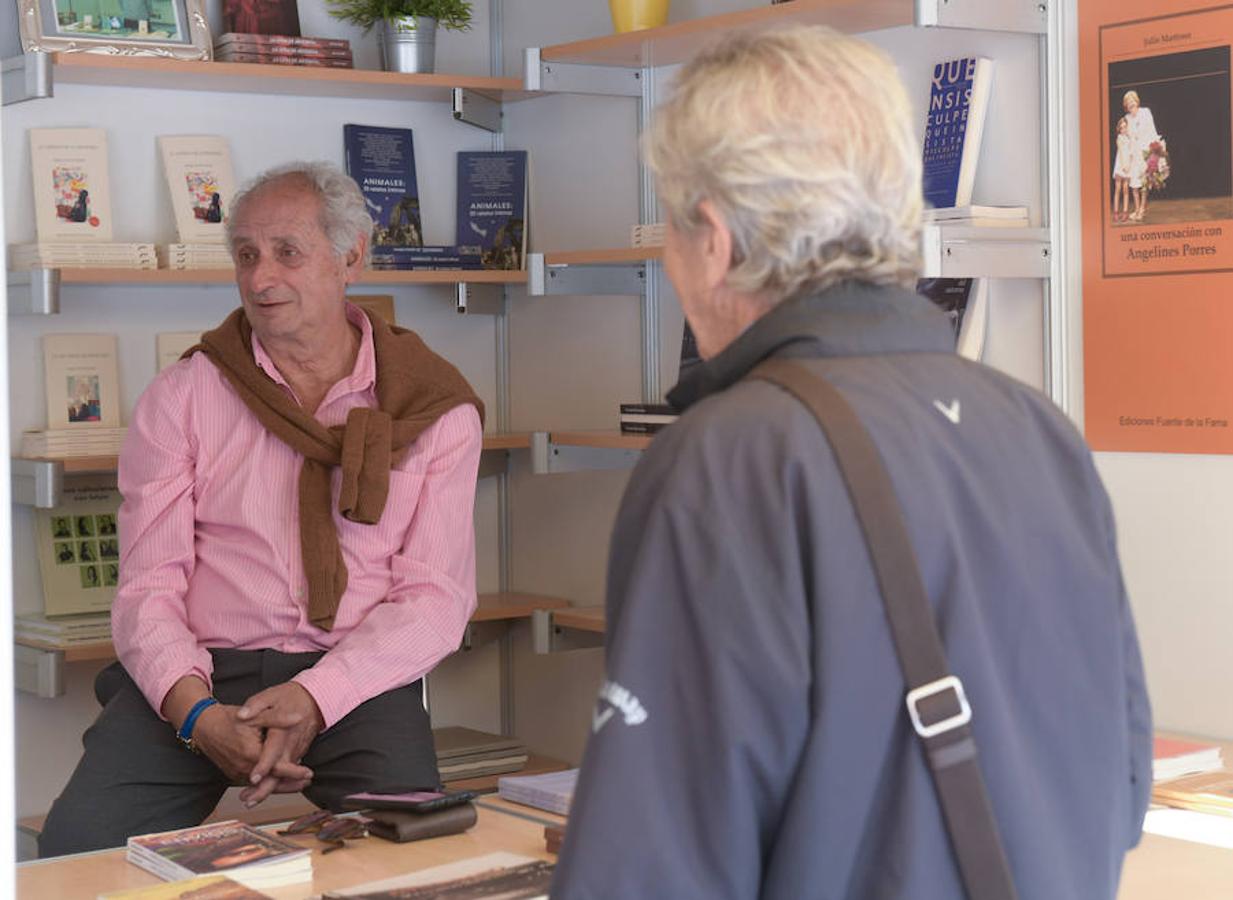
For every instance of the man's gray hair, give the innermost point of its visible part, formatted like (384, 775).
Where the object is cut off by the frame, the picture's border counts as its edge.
(804, 142)
(344, 215)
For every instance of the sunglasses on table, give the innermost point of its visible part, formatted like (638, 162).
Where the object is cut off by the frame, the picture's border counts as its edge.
(329, 828)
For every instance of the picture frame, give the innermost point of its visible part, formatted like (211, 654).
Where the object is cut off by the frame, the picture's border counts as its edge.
(172, 29)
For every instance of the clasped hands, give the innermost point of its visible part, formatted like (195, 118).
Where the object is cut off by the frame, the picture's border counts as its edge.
(261, 743)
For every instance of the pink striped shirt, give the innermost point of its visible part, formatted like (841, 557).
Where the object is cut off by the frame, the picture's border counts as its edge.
(210, 547)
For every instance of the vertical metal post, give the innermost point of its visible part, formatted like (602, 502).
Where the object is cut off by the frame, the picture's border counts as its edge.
(647, 211)
(1056, 176)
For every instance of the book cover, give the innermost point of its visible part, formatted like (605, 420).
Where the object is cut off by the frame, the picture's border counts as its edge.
(492, 206)
(206, 887)
(958, 101)
(82, 380)
(382, 162)
(274, 59)
(552, 791)
(232, 847)
(439, 257)
(201, 182)
(1174, 758)
(79, 550)
(171, 345)
(965, 302)
(282, 40)
(1210, 792)
(273, 17)
(72, 195)
(509, 876)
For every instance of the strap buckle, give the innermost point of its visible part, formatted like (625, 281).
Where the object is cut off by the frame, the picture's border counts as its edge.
(961, 718)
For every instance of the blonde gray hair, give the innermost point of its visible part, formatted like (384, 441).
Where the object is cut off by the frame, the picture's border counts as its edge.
(344, 216)
(803, 140)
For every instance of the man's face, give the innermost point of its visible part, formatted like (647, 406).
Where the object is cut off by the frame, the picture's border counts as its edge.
(291, 281)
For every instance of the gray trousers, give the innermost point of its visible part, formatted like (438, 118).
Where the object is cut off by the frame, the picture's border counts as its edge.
(135, 777)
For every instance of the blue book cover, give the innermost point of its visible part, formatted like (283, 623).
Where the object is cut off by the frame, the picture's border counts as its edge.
(382, 162)
(492, 206)
(442, 257)
(958, 101)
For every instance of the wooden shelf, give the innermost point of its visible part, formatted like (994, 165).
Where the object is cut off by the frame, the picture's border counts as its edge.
(77, 653)
(614, 440)
(511, 441)
(609, 256)
(251, 78)
(227, 276)
(583, 618)
(676, 43)
(508, 605)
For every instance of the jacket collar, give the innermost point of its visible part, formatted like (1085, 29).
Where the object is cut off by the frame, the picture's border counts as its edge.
(849, 319)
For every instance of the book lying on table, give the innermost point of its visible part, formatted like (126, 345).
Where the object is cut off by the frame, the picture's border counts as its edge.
(206, 887)
(1211, 792)
(552, 791)
(467, 753)
(255, 858)
(1172, 758)
(508, 876)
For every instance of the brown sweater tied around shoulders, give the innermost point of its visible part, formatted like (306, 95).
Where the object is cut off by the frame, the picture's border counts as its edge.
(415, 387)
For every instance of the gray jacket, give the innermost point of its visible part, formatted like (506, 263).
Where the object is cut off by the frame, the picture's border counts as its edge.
(751, 739)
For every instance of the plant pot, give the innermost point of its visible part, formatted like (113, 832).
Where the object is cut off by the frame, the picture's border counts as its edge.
(634, 15)
(408, 44)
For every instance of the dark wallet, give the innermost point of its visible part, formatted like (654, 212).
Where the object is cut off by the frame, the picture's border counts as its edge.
(401, 826)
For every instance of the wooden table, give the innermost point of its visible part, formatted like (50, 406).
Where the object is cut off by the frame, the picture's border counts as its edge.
(86, 875)
(1162, 868)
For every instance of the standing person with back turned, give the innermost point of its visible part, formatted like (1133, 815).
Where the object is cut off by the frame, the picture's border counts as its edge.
(296, 542)
(751, 738)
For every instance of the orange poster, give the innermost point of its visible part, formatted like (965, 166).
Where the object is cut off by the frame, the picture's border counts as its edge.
(1156, 109)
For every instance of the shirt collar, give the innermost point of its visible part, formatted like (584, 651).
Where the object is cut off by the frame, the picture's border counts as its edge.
(363, 374)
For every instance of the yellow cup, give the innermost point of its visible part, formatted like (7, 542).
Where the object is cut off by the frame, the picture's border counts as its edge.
(634, 15)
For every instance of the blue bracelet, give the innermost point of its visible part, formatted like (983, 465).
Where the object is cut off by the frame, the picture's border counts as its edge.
(185, 734)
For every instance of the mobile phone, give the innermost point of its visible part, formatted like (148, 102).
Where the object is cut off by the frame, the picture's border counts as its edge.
(414, 801)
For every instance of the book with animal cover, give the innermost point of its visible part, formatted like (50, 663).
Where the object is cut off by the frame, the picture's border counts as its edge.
(171, 345)
(204, 887)
(201, 182)
(508, 876)
(79, 549)
(72, 193)
(958, 103)
(382, 162)
(255, 858)
(82, 381)
(492, 206)
(270, 17)
(1174, 758)
(966, 303)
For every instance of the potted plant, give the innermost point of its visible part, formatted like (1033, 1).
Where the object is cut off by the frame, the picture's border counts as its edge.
(408, 28)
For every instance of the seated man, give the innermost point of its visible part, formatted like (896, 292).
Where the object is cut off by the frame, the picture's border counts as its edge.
(752, 738)
(296, 543)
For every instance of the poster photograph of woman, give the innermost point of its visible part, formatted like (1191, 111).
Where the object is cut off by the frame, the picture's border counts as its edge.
(1170, 139)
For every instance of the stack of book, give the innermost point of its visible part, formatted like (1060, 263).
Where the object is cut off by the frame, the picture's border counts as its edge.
(979, 216)
(552, 791)
(466, 753)
(64, 631)
(194, 256)
(1211, 792)
(256, 859)
(651, 235)
(284, 50)
(64, 443)
(1173, 758)
(86, 255)
(646, 418)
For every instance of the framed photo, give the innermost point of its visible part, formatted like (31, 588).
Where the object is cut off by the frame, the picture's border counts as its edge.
(169, 28)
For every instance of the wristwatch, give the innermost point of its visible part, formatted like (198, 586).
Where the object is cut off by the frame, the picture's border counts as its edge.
(185, 734)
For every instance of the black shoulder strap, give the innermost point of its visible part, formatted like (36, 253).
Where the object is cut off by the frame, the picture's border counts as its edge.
(936, 702)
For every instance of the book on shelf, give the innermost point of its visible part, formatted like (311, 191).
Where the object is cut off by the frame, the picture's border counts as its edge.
(268, 17)
(294, 51)
(1174, 758)
(203, 887)
(492, 206)
(1208, 792)
(1017, 215)
(81, 376)
(291, 42)
(468, 753)
(194, 256)
(171, 345)
(438, 257)
(381, 304)
(508, 876)
(652, 235)
(65, 443)
(382, 162)
(79, 549)
(257, 859)
(72, 196)
(966, 303)
(284, 59)
(551, 791)
(64, 631)
(958, 103)
(76, 256)
(646, 418)
(201, 182)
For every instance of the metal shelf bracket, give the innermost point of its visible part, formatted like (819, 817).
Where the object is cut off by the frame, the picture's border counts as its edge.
(957, 252)
(578, 280)
(38, 672)
(493, 462)
(477, 109)
(548, 458)
(572, 78)
(479, 299)
(37, 482)
(35, 292)
(25, 77)
(1019, 16)
(548, 637)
